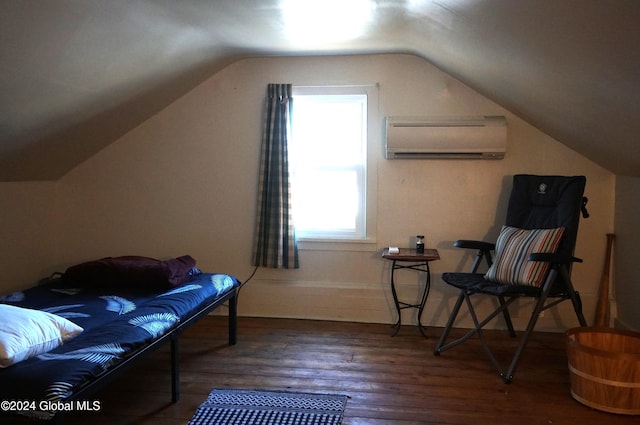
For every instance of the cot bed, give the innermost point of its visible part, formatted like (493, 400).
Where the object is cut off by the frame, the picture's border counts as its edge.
(108, 315)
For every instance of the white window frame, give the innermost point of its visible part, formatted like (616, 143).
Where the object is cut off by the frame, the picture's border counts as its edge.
(367, 240)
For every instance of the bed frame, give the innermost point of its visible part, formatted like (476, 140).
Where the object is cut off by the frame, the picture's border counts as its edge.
(173, 338)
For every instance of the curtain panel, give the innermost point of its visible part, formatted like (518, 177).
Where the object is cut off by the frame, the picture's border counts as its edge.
(276, 244)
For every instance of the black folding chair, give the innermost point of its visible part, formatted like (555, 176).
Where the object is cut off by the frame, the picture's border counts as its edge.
(534, 254)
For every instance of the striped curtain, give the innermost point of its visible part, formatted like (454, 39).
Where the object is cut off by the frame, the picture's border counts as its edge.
(276, 245)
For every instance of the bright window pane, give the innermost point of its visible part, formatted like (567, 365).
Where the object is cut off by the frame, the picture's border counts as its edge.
(320, 192)
(328, 157)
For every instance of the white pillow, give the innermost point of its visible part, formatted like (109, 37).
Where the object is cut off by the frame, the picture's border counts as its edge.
(26, 333)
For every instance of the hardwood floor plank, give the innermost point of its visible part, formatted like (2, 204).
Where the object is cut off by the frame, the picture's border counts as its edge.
(389, 380)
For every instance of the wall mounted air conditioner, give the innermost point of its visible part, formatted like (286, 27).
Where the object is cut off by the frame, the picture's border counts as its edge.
(483, 137)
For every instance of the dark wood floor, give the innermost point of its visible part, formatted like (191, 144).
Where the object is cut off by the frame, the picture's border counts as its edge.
(389, 380)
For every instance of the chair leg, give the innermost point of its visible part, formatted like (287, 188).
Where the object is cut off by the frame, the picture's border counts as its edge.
(507, 376)
(478, 330)
(574, 296)
(539, 307)
(507, 318)
(449, 325)
(478, 325)
(577, 307)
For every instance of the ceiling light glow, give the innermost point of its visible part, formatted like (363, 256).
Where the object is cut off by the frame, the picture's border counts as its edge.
(325, 21)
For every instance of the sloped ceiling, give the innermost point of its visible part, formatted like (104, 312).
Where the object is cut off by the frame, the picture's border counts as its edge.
(76, 74)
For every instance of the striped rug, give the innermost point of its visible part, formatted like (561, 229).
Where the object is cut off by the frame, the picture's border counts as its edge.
(256, 407)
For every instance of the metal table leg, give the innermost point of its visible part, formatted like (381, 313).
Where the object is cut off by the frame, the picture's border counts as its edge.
(400, 305)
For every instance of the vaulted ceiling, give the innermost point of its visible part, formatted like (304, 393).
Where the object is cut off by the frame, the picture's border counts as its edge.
(77, 74)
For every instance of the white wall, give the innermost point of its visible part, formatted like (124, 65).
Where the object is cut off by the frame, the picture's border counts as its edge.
(626, 283)
(185, 182)
(26, 220)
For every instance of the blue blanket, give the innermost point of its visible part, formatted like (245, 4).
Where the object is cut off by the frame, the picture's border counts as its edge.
(117, 321)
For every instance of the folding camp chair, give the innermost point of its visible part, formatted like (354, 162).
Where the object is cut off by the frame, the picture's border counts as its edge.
(534, 254)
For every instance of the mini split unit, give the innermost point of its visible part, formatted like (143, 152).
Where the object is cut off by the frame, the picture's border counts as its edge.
(483, 137)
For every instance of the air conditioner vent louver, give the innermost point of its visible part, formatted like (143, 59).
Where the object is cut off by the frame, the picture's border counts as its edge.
(482, 137)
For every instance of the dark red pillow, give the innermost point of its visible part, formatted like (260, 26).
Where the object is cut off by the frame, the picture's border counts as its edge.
(133, 271)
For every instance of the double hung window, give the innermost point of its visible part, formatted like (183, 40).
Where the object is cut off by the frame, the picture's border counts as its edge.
(328, 154)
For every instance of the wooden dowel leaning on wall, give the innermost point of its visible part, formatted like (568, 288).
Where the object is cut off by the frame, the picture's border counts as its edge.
(602, 307)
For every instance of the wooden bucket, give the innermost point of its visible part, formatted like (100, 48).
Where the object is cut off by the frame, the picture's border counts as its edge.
(604, 366)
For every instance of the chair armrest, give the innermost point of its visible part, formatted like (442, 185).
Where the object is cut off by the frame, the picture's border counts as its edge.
(483, 251)
(553, 258)
(482, 246)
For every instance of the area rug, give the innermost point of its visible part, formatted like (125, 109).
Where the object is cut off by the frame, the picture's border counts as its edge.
(255, 407)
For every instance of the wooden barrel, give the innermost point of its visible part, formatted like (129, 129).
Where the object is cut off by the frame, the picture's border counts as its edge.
(604, 366)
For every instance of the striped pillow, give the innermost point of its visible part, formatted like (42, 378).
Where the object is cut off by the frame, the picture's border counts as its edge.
(512, 250)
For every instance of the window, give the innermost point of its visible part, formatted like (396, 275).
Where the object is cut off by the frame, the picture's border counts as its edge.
(328, 155)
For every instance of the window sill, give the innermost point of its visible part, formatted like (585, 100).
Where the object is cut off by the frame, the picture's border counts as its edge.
(368, 245)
